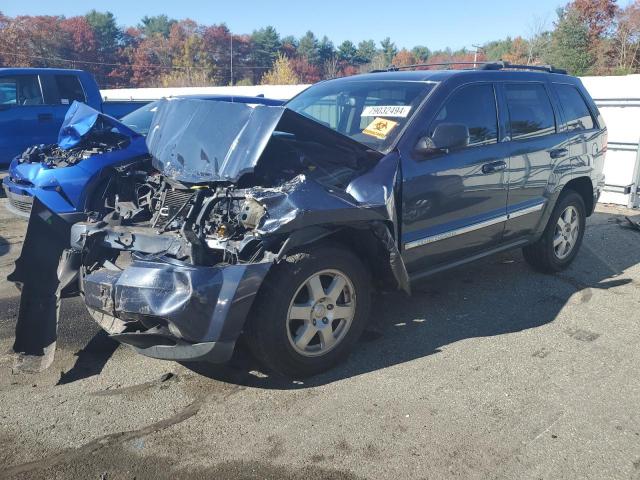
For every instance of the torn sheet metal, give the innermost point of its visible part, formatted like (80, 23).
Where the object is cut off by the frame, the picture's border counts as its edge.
(80, 120)
(368, 202)
(36, 274)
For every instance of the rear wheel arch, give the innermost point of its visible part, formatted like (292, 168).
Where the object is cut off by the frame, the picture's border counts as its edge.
(584, 187)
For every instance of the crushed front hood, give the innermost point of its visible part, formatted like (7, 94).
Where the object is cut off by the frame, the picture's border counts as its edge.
(80, 120)
(199, 141)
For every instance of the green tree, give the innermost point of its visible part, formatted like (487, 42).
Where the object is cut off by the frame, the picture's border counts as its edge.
(107, 36)
(498, 49)
(421, 53)
(570, 46)
(308, 48)
(290, 40)
(326, 50)
(265, 48)
(347, 52)
(389, 50)
(156, 25)
(366, 51)
(105, 30)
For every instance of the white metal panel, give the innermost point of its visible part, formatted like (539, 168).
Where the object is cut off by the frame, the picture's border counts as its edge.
(618, 99)
(279, 92)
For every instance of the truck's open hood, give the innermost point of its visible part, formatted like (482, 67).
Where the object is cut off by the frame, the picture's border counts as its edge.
(199, 141)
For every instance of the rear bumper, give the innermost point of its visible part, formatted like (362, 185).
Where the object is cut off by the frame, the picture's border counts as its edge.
(187, 312)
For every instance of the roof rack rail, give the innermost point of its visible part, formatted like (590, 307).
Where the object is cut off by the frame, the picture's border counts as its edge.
(500, 65)
(394, 68)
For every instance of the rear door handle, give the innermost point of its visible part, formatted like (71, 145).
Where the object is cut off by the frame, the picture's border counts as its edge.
(45, 117)
(558, 153)
(494, 167)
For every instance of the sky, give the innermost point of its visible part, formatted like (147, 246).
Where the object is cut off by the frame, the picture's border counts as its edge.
(436, 24)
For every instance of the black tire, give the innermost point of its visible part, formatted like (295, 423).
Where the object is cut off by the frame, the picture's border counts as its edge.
(268, 325)
(541, 255)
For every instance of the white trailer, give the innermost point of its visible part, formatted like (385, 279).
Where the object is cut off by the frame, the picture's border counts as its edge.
(618, 99)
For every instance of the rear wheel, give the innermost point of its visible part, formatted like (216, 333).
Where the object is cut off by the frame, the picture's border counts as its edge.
(561, 240)
(310, 311)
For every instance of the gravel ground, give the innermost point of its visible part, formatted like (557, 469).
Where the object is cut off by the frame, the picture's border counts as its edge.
(489, 371)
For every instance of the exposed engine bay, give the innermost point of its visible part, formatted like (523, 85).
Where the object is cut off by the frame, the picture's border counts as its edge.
(84, 133)
(220, 222)
(227, 219)
(97, 142)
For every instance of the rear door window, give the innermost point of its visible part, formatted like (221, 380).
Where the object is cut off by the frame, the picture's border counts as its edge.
(475, 107)
(577, 114)
(530, 111)
(69, 89)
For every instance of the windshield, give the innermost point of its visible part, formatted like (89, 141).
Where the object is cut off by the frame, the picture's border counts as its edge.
(140, 120)
(370, 112)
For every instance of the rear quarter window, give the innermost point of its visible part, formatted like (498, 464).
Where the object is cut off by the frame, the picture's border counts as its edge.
(577, 114)
(530, 111)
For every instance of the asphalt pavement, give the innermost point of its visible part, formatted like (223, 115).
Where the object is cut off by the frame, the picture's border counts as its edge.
(487, 371)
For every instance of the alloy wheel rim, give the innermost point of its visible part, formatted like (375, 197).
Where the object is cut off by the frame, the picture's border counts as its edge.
(320, 313)
(566, 233)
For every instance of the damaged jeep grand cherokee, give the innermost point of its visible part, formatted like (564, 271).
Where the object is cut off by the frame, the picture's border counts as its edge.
(277, 223)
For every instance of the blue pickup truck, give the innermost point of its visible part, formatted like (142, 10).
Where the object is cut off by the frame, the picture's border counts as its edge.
(34, 102)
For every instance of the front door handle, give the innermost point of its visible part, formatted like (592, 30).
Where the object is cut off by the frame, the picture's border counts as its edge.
(494, 167)
(558, 153)
(45, 117)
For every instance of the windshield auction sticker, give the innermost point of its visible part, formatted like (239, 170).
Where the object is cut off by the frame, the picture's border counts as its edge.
(387, 111)
(380, 128)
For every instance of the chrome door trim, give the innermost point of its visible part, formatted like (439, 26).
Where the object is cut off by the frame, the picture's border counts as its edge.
(471, 228)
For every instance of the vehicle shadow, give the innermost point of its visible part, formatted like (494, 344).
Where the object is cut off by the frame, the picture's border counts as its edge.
(496, 296)
(91, 359)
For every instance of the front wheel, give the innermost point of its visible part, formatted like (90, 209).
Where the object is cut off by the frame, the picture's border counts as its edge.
(562, 237)
(310, 311)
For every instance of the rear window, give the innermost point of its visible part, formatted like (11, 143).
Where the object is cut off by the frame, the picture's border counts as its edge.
(530, 111)
(69, 89)
(577, 114)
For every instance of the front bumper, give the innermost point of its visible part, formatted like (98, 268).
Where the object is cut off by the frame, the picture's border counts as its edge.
(20, 200)
(187, 312)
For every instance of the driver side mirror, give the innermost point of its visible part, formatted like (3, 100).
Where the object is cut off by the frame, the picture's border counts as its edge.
(446, 137)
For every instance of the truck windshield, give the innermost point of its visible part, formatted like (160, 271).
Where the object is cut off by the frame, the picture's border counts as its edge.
(370, 112)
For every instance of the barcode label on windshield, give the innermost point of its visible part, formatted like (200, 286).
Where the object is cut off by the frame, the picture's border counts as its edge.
(387, 111)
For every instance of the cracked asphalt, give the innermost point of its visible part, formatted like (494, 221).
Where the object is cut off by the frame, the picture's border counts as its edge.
(488, 371)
